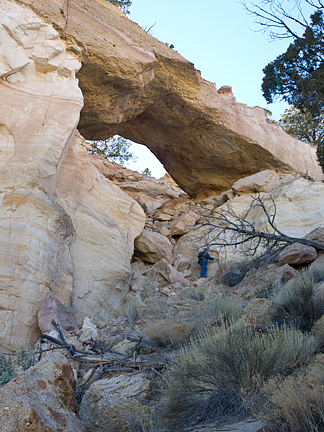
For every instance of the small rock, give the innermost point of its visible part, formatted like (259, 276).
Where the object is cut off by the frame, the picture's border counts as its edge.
(89, 330)
(162, 217)
(258, 312)
(110, 403)
(162, 229)
(125, 346)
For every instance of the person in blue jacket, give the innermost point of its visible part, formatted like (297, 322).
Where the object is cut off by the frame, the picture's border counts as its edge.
(203, 258)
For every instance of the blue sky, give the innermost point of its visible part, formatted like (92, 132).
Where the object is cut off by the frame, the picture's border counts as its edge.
(218, 37)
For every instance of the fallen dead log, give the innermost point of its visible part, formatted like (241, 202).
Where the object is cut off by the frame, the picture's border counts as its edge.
(111, 360)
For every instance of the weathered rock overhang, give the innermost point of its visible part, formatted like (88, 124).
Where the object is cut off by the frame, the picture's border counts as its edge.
(136, 86)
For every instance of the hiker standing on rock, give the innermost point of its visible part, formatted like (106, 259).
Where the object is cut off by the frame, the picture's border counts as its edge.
(203, 258)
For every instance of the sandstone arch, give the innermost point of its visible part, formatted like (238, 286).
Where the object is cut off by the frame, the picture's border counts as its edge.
(137, 87)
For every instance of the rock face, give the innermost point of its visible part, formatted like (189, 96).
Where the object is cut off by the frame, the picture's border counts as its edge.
(149, 192)
(65, 230)
(41, 399)
(109, 403)
(136, 86)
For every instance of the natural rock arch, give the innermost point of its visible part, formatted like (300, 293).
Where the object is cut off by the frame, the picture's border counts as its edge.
(137, 87)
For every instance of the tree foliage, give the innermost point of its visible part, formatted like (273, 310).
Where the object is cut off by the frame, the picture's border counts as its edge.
(306, 128)
(123, 5)
(147, 171)
(302, 125)
(297, 76)
(115, 149)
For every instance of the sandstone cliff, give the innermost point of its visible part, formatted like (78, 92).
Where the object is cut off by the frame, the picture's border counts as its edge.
(65, 230)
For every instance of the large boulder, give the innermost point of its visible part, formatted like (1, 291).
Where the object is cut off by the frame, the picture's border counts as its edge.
(136, 86)
(110, 404)
(41, 399)
(106, 222)
(151, 246)
(263, 181)
(52, 309)
(297, 253)
(166, 274)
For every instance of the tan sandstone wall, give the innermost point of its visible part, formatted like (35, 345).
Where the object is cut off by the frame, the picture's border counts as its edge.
(59, 217)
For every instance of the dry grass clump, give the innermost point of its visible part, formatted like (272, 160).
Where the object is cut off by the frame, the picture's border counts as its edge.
(215, 378)
(131, 312)
(297, 302)
(318, 333)
(168, 333)
(296, 404)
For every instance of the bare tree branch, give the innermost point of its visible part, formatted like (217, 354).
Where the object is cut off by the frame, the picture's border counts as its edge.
(280, 20)
(224, 228)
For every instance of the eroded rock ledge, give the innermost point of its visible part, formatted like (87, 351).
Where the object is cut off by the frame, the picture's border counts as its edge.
(137, 87)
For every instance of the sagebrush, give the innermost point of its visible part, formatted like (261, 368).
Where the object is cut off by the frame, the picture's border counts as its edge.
(298, 301)
(217, 377)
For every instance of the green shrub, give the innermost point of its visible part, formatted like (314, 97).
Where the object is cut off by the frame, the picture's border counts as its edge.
(190, 293)
(7, 371)
(297, 302)
(26, 359)
(214, 311)
(169, 334)
(216, 377)
(130, 416)
(296, 404)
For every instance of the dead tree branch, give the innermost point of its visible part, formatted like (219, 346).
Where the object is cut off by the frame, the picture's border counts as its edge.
(110, 360)
(282, 19)
(225, 228)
